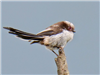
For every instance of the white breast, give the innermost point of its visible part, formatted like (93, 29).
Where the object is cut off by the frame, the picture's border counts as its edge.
(58, 40)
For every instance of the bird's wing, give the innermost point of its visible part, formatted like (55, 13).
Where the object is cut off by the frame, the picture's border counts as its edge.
(50, 31)
(46, 33)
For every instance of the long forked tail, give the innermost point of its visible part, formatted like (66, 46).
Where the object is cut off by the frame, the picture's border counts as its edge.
(23, 35)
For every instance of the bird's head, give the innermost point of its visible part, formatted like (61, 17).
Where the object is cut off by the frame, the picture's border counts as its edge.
(69, 26)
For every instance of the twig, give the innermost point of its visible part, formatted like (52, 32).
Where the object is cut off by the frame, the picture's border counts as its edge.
(61, 63)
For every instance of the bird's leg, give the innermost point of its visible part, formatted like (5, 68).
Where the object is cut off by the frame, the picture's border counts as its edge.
(54, 52)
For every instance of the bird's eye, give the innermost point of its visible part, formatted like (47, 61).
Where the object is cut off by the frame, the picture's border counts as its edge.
(69, 28)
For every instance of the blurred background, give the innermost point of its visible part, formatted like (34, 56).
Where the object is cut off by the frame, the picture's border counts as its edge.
(19, 57)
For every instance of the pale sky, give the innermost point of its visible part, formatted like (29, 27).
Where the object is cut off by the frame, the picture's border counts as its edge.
(19, 57)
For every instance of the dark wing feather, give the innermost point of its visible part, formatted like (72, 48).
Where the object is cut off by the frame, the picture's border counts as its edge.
(46, 33)
(54, 30)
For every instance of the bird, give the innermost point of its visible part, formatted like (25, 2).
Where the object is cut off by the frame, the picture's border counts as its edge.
(53, 37)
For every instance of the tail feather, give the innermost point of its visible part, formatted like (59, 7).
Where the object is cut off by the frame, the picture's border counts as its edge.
(13, 30)
(23, 35)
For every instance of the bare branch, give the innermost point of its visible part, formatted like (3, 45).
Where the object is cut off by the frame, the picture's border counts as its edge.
(62, 63)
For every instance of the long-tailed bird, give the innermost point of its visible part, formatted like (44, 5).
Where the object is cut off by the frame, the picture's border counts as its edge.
(54, 37)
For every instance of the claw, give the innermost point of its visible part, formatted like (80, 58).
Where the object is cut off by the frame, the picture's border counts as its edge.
(60, 50)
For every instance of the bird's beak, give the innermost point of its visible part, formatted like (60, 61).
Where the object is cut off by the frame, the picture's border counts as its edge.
(74, 31)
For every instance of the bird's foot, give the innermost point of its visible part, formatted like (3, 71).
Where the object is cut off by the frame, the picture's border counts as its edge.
(60, 50)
